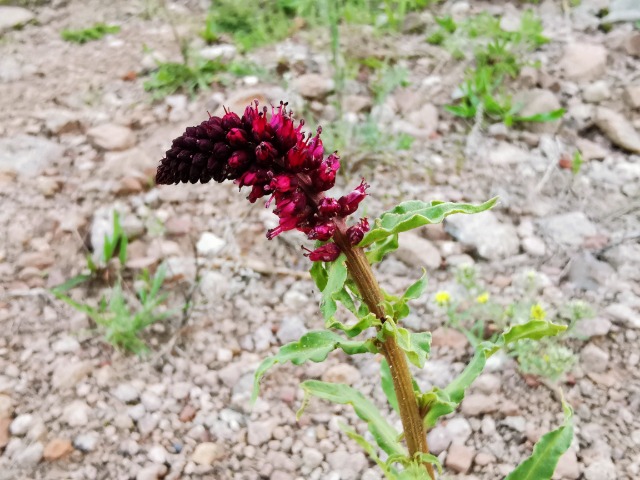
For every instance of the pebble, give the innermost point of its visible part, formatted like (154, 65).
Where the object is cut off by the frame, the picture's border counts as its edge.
(594, 359)
(30, 456)
(66, 344)
(596, 92)
(538, 101)
(487, 383)
(348, 465)
(568, 467)
(449, 337)
(516, 423)
(458, 429)
(567, 229)
(209, 245)
(618, 129)
(157, 454)
(602, 469)
(624, 315)
(112, 137)
(534, 246)
(27, 155)
(291, 329)
(438, 439)
(86, 442)
(13, 17)
(260, 432)
(152, 472)
(56, 449)
(150, 401)
(311, 458)
(632, 95)
(21, 424)
(207, 453)
(5, 434)
(342, 373)
(459, 458)
(583, 62)
(416, 251)
(493, 239)
(68, 373)
(126, 393)
(313, 85)
(476, 404)
(76, 414)
(592, 327)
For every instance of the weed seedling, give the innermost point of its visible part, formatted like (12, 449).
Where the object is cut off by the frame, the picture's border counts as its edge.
(96, 32)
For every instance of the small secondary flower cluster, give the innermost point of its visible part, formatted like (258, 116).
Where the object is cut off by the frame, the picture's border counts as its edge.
(273, 157)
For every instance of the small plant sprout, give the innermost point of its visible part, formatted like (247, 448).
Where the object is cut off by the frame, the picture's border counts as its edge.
(265, 150)
(96, 32)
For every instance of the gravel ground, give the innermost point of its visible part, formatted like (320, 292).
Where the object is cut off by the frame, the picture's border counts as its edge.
(80, 138)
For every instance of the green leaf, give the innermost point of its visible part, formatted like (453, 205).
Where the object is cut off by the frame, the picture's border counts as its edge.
(410, 215)
(69, 284)
(417, 289)
(377, 251)
(357, 328)
(387, 385)
(319, 274)
(384, 434)
(417, 346)
(313, 346)
(445, 401)
(542, 117)
(388, 471)
(337, 275)
(546, 452)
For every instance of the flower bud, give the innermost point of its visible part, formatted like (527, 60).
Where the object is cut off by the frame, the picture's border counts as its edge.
(349, 203)
(231, 120)
(322, 232)
(324, 177)
(355, 234)
(325, 253)
(328, 207)
(283, 183)
(265, 152)
(237, 138)
(239, 159)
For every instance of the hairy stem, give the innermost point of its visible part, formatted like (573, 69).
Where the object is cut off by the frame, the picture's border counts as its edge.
(362, 275)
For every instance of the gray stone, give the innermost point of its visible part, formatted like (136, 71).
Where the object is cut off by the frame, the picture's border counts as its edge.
(618, 129)
(476, 404)
(538, 101)
(487, 383)
(313, 85)
(157, 454)
(491, 238)
(13, 17)
(342, 373)
(567, 467)
(584, 61)
(622, 11)
(601, 469)
(21, 424)
(152, 472)
(586, 272)
(596, 92)
(291, 328)
(223, 51)
(111, 137)
(86, 442)
(534, 246)
(209, 245)
(31, 455)
(632, 95)
(416, 251)
(594, 359)
(66, 344)
(76, 414)
(67, 374)
(58, 122)
(507, 154)
(27, 155)
(348, 465)
(624, 314)
(591, 150)
(126, 393)
(260, 432)
(151, 402)
(516, 423)
(567, 229)
(207, 453)
(148, 423)
(458, 429)
(592, 327)
(311, 458)
(460, 458)
(438, 439)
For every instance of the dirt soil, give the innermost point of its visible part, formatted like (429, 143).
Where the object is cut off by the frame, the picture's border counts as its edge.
(80, 138)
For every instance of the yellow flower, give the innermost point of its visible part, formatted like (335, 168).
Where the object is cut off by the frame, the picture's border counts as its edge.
(483, 297)
(538, 312)
(443, 298)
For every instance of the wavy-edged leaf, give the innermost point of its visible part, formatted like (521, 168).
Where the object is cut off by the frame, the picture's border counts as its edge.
(414, 214)
(313, 346)
(445, 401)
(388, 471)
(379, 249)
(417, 288)
(336, 276)
(385, 435)
(357, 328)
(417, 346)
(546, 452)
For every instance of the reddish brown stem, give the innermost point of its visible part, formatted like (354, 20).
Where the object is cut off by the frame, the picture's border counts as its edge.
(412, 421)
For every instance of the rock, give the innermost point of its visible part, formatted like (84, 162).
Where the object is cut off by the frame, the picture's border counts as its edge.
(86, 442)
(6, 406)
(126, 393)
(567, 467)
(313, 85)
(57, 448)
(148, 423)
(586, 272)
(151, 402)
(631, 95)
(459, 458)
(66, 344)
(209, 245)
(260, 432)
(476, 404)
(601, 469)
(592, 327)
(21, 424)
(5, 433)
(152, 472)
(583, 62)
(538, 101)
(417, 251)
(68, 374)
(59, 122)
(291, 329)
(622, 11)
(507, 154)
(458, 429)
(348, 465)
(491, 238)
(31, 455)
(76, 414)
(567, 229)
(27, 155)
(157, 454)
(129, 164)
(177, 226)
(618, 129)
(534, 246)
(357, 103)
(596, 92)
(222, 51)
(342, 373)
(624, 315)
(425, 119)
(591, 150)
(449, 337)
(487, 383)
(515, 423)
(112, 137)
(594, 359)
(311, 458)
(207, 453)
(13, 17)
(438, 439)
(483, 459)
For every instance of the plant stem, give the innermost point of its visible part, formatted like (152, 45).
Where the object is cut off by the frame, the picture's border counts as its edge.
(412, 423)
